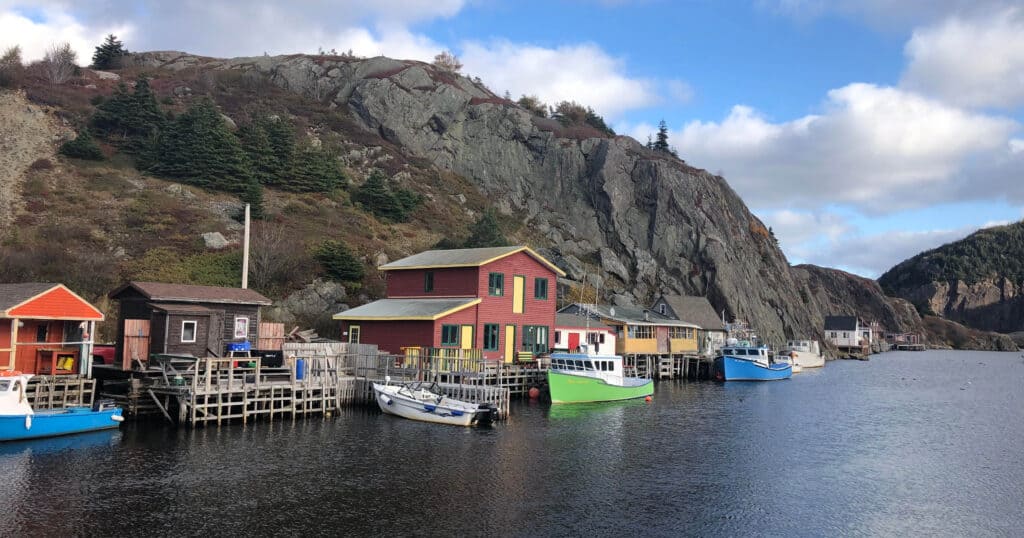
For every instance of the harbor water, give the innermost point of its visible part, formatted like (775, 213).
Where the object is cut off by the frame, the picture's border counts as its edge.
(906, 444)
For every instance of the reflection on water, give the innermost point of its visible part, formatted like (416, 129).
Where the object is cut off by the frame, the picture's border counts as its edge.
(908, 443)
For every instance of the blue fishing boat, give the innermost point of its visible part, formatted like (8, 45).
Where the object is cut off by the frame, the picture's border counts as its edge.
(19, 421)
(750, 364)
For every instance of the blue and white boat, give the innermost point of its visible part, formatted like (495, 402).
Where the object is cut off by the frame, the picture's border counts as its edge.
(739, 363)
(18, 421)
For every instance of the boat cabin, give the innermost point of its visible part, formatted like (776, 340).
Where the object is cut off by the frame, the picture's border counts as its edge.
(12, 395)
(756, 354)
(576, 362)
(805, 346)
(45, 329)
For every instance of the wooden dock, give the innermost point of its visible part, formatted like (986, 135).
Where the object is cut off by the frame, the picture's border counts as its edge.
(56, 391)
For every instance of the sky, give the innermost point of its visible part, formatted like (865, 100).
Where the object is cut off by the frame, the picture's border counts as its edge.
(861, 131)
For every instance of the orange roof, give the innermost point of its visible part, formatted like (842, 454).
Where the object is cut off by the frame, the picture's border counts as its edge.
(45, 301)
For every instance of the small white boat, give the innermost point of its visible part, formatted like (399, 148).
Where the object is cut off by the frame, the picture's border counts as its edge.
(18, 421)
(418, 401)
(805, 354)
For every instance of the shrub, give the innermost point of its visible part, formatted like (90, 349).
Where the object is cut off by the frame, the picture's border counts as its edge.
(376, 197)
(41, 164)
(338, 262)
(486, 232)
(448, 62)
(11, 68)
(313, 170)
(534, 105)
(82, 147)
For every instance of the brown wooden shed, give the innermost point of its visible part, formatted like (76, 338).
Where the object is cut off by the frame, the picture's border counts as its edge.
(182, 319)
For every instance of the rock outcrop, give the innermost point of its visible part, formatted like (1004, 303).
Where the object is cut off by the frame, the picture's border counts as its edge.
(837, 292)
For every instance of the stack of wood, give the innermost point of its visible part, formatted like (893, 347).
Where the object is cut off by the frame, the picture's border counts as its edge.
(304, 337)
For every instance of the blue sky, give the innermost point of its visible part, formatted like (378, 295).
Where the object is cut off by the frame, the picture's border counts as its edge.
(862, 131)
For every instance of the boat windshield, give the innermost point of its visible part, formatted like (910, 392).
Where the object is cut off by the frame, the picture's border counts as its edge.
(5, 384)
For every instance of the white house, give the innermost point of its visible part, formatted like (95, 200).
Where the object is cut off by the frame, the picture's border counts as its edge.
(572, 330)
(848, 331)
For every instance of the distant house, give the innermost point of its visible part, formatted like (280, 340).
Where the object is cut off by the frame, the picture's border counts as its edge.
(500, 300)
(572, 330)
(45, 329)
(181, 319)
(640, 331)
(848, 331)
(696, 310)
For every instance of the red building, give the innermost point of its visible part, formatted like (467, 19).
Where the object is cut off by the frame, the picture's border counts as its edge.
(45, 329)
(500, 300)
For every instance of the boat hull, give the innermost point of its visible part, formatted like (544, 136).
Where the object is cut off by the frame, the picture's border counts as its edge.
(733, 369)
(52, 423)
(805, 359)
(568, 388)
(434, 412)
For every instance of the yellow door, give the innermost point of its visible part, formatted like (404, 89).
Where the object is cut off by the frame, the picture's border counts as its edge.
(510, 342)
(467, 337)
(518, 294)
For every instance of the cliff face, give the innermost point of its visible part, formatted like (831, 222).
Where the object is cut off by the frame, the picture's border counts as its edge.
(840, 293)
(976, 281)
(651, 223)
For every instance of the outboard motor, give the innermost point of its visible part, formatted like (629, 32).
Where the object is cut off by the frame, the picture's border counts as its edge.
(486, 414)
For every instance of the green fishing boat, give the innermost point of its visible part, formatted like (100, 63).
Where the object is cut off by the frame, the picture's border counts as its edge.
(579, 377)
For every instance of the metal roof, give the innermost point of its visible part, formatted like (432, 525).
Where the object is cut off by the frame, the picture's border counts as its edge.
(408, 309)
(464, 257)
(695, 309)
(631, 315)
(579, 322)
(180, 308)
(159, 291)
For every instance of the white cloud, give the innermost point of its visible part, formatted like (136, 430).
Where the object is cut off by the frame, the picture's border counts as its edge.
(970, 61)
(680, 91)
(874, 148)
(801, 233)
(583, 73)
(888, 15)
(55, 26)
(872, 255)
(1016, 145)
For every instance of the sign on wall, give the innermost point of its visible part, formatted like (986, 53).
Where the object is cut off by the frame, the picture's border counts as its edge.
(241, 327)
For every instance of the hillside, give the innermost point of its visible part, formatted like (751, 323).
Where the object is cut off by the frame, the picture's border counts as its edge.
(976, 281)
(636, 222)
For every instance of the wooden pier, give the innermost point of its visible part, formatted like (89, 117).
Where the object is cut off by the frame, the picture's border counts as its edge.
(56, 391)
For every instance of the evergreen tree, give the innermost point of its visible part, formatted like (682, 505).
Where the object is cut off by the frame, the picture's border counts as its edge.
(486, 232)
(129, 120)
(338, 262)
(200, 149)
(82, 147)
(313, 170)
(266, 169)
(109, 54)
(376, 198)
(594, 120)
(661, 141)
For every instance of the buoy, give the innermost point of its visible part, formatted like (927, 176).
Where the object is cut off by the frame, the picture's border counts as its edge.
(534, 393)
(647, 399)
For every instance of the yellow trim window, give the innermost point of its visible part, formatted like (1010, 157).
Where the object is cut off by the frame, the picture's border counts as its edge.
(354, 334)
(641, 332)
(677, 333)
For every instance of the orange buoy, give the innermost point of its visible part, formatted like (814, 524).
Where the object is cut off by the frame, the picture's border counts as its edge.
(647, 399)
(534, 393)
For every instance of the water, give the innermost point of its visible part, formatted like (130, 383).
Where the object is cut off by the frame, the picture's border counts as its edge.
(908, 443)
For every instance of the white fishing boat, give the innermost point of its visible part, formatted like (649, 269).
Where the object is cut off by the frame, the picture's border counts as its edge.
(805, 353)
(423, 402)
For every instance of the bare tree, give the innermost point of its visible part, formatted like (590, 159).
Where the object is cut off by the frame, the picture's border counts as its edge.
(276, 258)
(448, 61)
(59, 62)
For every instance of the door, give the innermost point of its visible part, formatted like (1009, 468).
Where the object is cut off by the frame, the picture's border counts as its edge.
(662, 335)
(467, 337)
(518, 294)
(510, 342)
(574, 341)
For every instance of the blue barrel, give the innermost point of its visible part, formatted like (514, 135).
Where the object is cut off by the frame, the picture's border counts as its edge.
(300, 368)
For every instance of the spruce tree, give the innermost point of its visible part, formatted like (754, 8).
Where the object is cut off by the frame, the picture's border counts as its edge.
(338, 262)
(376, 198)
(109, 54)
(263, 162)
(313, 170)
(129, 120)
(661, 141)
(281, 136)
(486, 232)
(200, 149)
(82, 147)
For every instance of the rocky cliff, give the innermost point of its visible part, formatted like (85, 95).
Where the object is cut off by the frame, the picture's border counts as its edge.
(841, 293)
(976, 281)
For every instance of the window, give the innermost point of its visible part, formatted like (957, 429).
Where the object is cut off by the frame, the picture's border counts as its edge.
(354, 332)
(428, 281)
(833, 334)
(188, 332)
(42, 331)
(535, 338)
(643, 332)
(540, 288)
(241, 327)
(496, 284)
(449, 335)
(558, 337)
(681, 332)
(661, 309)
(491, 333)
